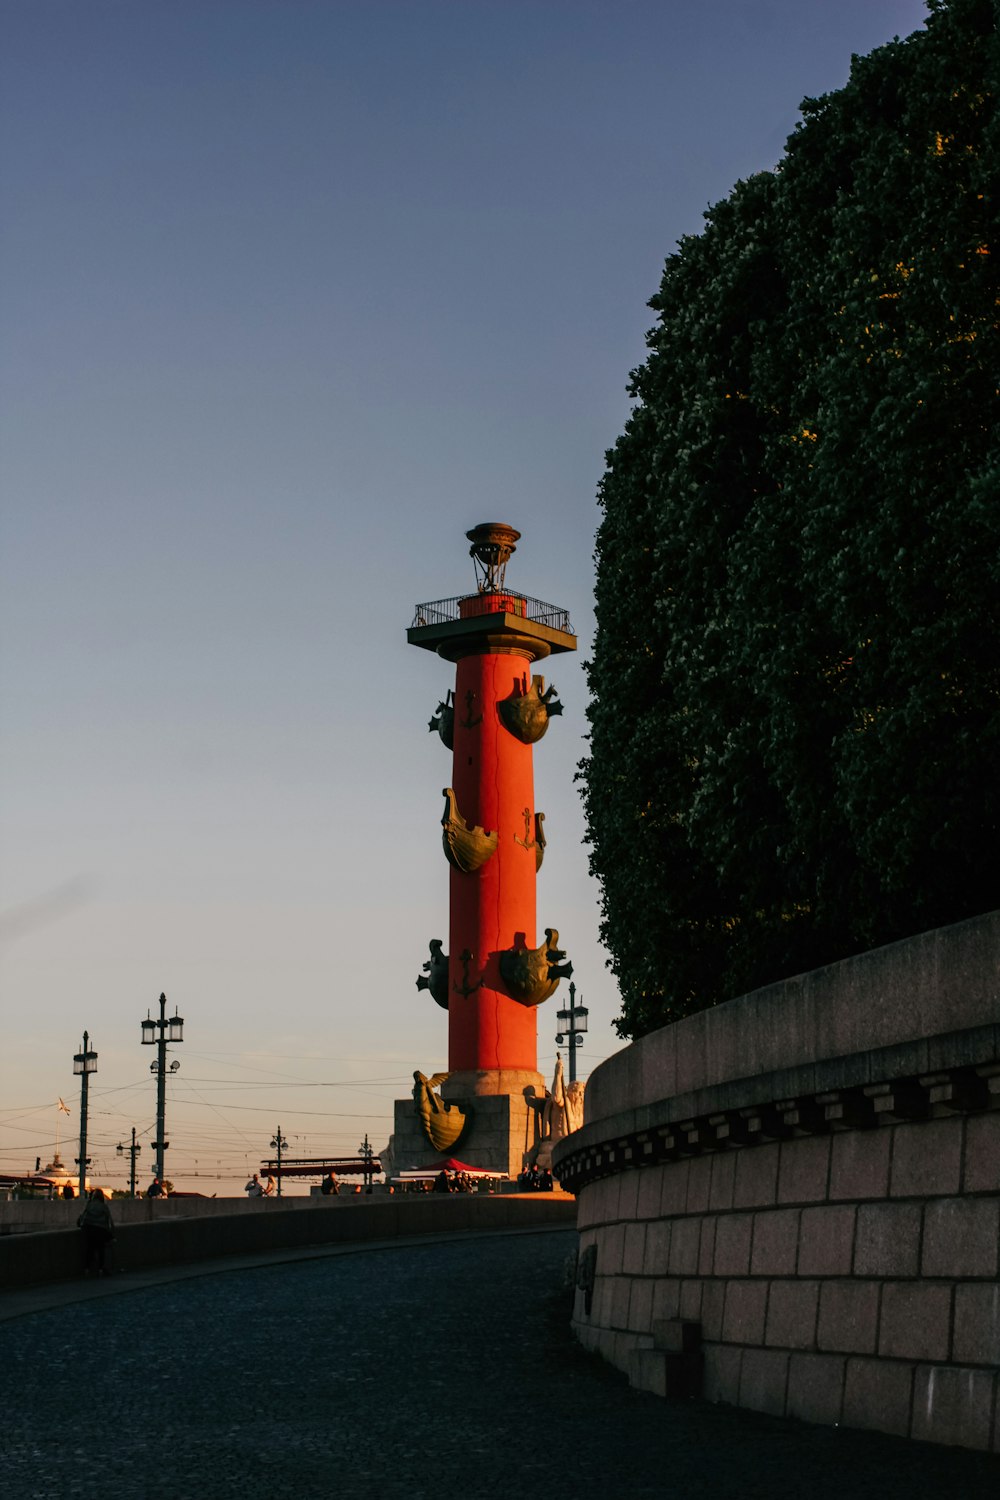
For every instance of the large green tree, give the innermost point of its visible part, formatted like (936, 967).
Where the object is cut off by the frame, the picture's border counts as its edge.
(795, 686)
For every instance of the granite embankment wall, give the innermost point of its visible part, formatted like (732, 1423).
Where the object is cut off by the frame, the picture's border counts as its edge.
(791, 1202)
(177, 1232)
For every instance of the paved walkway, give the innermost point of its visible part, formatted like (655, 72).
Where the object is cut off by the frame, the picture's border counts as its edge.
(422, 1370)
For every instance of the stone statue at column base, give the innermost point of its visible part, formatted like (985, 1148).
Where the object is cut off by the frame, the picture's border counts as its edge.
(557, 1114)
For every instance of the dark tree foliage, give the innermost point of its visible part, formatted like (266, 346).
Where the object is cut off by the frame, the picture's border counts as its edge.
(795, 685)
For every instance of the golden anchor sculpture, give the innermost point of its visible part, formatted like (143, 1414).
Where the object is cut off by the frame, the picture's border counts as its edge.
(538, 842)
(465, 848)
(527, 716)
(435, 975)
(465, 988)
(442, 1123)
(470, 721)
(533, 974)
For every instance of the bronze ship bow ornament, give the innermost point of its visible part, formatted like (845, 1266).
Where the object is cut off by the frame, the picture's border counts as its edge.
(533, 974)
(435, 975)
(465, 848)
(442, 1123)
(527, 716)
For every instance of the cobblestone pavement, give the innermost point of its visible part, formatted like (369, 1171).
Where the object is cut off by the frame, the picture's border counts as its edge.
(420, 1371)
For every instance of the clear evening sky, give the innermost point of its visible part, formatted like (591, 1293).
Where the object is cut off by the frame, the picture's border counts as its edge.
(292, 293)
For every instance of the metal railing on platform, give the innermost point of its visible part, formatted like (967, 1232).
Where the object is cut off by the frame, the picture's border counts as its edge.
(443, 611)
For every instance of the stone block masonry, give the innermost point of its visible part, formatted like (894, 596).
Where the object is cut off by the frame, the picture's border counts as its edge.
(828, 1221)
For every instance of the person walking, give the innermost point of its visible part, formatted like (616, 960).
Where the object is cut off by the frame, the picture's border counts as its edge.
(98, 1232)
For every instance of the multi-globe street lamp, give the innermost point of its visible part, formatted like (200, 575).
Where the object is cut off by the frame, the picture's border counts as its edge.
(157, 1033)
(279, 1144)
(367, 1151)
(131, 1151)
(84, 1063)
(572, 1023)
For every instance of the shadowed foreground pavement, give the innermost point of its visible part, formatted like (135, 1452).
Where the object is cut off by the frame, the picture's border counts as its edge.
(422, 1370)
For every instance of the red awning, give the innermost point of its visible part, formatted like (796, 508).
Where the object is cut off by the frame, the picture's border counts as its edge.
(450, 1164)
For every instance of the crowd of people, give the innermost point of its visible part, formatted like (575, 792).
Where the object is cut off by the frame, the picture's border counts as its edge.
(531, 1180)
(452, 1182)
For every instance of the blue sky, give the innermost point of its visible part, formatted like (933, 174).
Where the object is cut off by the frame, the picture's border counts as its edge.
(291, 295)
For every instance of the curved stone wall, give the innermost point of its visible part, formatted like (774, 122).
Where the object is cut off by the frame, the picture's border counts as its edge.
(792, 1202)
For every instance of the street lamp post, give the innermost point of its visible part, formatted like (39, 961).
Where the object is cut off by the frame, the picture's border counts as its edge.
(572, 1023)
(279, 1144)
(133, 1152)
(367, 1150)
(84, 1063)
(156, 1033)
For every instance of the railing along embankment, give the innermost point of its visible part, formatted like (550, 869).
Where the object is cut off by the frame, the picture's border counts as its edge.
(172, 1238)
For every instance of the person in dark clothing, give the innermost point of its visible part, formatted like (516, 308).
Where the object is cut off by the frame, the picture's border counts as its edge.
(330, 1187)
(442, 1183)
(98, 1232)
(155, 1189)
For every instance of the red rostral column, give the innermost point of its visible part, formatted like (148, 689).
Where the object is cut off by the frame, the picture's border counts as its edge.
(499, 969)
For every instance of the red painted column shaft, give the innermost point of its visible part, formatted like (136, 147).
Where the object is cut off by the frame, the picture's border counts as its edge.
(494, 908)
